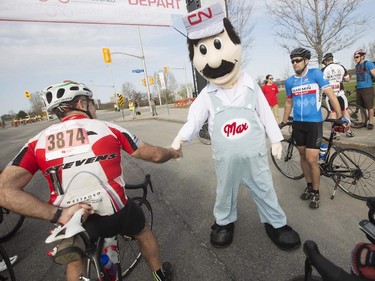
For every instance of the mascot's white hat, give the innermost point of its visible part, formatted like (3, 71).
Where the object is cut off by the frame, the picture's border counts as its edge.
(204, 22)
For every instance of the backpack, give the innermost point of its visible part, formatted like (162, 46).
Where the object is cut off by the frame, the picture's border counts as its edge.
(364, 68)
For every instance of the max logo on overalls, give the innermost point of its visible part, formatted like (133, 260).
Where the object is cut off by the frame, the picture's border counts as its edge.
(197, 18)
(236, 128)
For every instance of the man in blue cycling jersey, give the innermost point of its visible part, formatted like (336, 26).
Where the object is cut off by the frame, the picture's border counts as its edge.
(365, 90)
(303, 92)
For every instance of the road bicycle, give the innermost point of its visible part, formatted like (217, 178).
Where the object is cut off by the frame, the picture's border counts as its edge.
(7, 274)
(204, 135)
(358, 115)
(327, 270)
(351, 169)
(10, 223)
(127, 247)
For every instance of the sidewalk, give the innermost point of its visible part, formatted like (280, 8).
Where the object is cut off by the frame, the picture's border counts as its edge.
(363, 139)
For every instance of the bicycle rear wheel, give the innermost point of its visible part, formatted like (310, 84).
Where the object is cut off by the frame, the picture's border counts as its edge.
(128, 247)
(9, 224)
(358, 115)
(203, 134)
(7, 274)
(354, 172)
(289, 164)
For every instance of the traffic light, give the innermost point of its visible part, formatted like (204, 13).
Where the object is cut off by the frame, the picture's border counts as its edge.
(143, 80)
(27, 94)
(151, 80)
(107, 55)
(166, 69)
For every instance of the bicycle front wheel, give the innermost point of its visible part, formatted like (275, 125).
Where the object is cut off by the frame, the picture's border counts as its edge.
(354, 172)
(128, 247)
(9, 224)
(358, 115)
(203, 134)
(289, 164)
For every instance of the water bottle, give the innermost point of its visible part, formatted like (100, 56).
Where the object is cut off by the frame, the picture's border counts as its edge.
(109, 267)
(323, 151)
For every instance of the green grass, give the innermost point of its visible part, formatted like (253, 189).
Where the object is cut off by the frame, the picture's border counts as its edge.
(349, 86)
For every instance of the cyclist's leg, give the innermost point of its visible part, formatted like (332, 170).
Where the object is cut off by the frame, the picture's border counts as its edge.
(73, 270)
(149, 248)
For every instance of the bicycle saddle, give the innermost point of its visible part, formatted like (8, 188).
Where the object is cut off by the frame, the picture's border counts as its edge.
(70, 229)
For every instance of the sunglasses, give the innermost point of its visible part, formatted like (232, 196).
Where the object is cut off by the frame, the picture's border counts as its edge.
(357, 57)
(270, 78)
(296, 61)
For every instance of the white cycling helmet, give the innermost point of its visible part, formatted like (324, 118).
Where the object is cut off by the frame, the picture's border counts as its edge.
(57, 94)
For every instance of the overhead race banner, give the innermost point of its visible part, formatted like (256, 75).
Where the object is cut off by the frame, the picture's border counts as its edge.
(122, 12)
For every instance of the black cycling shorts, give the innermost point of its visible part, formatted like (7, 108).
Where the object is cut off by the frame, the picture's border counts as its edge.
(129, 221)
(308, 134)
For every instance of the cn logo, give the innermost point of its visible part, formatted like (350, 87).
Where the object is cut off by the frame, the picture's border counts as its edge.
(235, 128)
(198, 17)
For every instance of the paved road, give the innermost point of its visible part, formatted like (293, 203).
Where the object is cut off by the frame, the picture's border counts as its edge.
(183, 201)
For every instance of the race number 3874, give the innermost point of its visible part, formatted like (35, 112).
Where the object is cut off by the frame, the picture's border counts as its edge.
(67, 139)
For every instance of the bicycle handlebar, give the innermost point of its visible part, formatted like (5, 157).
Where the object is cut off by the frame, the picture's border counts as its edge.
(335, 122)
(327, 270)
(144, 185)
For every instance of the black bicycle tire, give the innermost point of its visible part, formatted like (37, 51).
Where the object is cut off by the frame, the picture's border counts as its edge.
(9, 228)
(203, 134)
(286, 168)
(4, 256)
(128, 247)
(364, 185)
(353, 109)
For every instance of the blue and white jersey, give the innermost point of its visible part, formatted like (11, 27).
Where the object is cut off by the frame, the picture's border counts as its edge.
(306, 95)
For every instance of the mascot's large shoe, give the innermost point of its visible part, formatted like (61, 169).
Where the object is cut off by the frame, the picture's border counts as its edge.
(284, 237)
(221, 235)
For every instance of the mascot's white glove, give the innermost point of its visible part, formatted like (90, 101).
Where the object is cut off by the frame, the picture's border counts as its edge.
(177, 142)
(277, 149)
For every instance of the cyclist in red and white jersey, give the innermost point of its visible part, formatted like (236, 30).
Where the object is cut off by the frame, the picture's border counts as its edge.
(336, 74)
(81, 160)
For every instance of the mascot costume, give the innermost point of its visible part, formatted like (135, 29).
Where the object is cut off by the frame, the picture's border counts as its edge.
(239, 118)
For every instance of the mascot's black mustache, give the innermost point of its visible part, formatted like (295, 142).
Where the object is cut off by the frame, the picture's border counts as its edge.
(225, 68)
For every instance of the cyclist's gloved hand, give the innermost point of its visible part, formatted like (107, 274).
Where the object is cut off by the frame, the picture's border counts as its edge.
(276, 149)
(346, 120)
(281, 125)
(177, 142)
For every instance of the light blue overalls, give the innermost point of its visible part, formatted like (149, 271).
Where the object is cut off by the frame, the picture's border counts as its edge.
(240, 154)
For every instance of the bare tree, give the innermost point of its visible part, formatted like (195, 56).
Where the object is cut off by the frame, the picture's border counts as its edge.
(322, 25)
(239, 13)
(371, 51)
(128, 90)
(37, 103)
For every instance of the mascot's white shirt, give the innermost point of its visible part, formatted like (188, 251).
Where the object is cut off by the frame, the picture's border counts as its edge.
(202, 108)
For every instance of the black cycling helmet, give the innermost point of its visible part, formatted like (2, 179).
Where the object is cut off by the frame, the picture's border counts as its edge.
(300, 52)
(327, 56)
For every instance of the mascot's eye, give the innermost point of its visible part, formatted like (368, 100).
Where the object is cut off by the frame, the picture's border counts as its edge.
(217, 43)
(203, 49)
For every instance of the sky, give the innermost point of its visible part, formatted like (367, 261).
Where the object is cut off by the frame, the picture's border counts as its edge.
(36, 55)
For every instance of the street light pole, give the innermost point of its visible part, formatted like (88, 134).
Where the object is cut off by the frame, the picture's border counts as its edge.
(144, 66)
(187, 88)
(142, 58)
